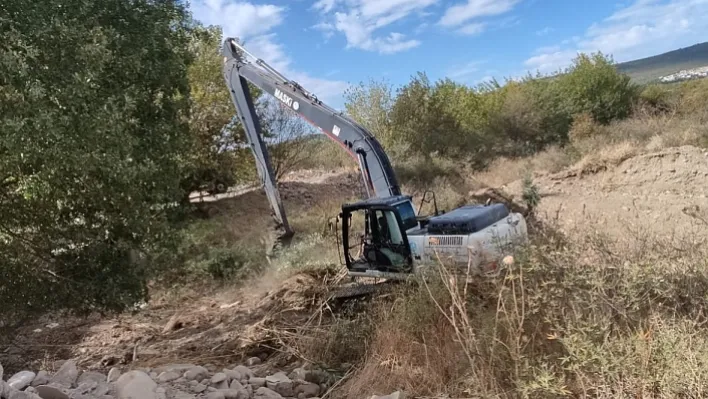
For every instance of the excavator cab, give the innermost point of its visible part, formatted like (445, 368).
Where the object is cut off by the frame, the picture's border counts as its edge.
(374, 235)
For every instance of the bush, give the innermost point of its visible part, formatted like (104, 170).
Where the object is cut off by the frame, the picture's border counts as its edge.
(593, 85)
(93, 134)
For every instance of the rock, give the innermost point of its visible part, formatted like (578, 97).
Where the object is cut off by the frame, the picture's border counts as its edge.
(23, 395)
(395, 395)
(254, 361)
(42, 378)
(249, 390)
(167, 376)
(244, 371)
(136, 385)
(102, 389)
(301, 396)
(180, 368)
(257, 382)
(280, 383)
(21, 380)
(222, 385)
(233, 375)
(196, 373)
(1, 371)
(218, 377)
(5, 389)
(67, 374)
(177, 394)
(309, 389)
(298, 374)
(317, 376)
(265, 393)
(113, 375)
(31, 390)
(86, 387)
(215, 395)
(91, 376)
(50, 392)
(237, 391)
(199, 388)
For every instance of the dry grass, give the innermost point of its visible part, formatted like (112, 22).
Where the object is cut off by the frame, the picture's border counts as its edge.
(573, 317)
(506, 170)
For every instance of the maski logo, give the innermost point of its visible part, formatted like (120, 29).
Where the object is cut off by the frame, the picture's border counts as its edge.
(284, 98)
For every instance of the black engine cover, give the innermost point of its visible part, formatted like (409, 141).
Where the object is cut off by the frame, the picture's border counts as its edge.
(467, 219)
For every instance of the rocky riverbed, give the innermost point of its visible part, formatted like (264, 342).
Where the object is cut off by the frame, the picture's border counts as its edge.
(176, 381)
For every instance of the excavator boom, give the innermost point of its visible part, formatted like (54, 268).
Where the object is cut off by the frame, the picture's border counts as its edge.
(376, 169)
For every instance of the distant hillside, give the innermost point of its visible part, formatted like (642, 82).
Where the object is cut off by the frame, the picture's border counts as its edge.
(649, 69)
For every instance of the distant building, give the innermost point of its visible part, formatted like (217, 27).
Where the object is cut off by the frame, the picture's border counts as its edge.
(695, 73)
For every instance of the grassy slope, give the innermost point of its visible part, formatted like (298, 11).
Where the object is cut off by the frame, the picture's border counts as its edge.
(649, 69)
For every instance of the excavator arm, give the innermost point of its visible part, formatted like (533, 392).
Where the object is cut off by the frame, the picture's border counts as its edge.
(376, 169)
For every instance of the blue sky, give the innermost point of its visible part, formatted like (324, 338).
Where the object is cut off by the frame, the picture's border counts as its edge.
(327, 45)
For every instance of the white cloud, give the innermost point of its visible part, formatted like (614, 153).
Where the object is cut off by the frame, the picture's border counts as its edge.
(254, 25)
(545, 31)
(473, 29)
(361, 20)
(238, 18)
(642, 29)
(463, 12)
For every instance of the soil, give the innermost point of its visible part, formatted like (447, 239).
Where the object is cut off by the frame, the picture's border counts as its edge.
(662, 193)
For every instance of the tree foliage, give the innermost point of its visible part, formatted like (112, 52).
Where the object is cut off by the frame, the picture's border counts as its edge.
(93, 110)
(593, 85)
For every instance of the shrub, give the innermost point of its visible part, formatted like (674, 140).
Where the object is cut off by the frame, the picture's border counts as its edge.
(592, 84)
(584, 127)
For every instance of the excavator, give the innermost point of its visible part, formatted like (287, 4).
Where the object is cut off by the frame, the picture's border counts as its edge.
(397, 242)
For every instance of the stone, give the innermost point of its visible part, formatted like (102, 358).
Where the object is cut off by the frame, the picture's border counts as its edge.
(1, 371)
(196, 373)
(254, 361)
(5, 389)
(103, 388)
(91, 376)
(167, 376)
(67, 374)
(309, 389)
(86, 387)
(317, 376)
(245, 372)
(21, 380)
(215, 395)
(42, 378)
(199, 388)
(222, 385)
(23, 395)
(265, 393)
(301, 396)
(31, 389)
(136, 385)
(237, 391)
(177, 394)
(113, 375)
(218, 377)
(180, 368)
(50, 392)
(298, 374)
(233, 375)
(257, 382)
(249, 390)
(280, 383)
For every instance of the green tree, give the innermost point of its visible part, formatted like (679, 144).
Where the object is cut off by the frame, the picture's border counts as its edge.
(593, 84)
(370, 104)
(217, 138)
(93, 111)
(422, 119)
